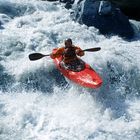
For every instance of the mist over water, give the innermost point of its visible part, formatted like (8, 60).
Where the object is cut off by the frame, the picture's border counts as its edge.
(38, 103)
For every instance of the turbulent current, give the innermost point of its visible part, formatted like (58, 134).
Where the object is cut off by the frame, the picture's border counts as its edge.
(38, 103)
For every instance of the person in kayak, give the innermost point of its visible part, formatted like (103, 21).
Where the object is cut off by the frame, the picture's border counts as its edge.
(69, 55)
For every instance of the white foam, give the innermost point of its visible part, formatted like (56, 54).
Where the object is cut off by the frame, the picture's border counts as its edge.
(74, 113)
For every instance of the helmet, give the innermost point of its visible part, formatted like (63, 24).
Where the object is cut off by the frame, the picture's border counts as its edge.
(68, 40)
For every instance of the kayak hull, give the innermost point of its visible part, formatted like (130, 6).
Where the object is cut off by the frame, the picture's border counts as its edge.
(86, 78)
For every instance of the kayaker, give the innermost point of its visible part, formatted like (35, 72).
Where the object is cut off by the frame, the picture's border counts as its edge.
(69, 53)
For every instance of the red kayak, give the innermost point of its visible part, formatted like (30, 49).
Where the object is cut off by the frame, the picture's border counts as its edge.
(86, 77)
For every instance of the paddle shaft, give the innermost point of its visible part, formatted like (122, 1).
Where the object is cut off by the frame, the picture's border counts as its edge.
(36, 56)
(92, 49)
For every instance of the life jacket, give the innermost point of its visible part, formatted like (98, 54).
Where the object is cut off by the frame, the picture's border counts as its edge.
(69, 54)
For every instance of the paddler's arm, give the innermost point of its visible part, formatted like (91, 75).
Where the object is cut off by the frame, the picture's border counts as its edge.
(58, 53)
(79, 51)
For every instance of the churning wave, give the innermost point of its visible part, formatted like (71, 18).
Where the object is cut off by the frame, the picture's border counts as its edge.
(37, 102)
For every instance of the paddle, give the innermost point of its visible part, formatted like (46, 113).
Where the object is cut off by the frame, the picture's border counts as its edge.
(36, 56)
(92, 49)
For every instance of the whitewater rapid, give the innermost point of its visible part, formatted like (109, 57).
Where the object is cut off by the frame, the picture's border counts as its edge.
(38, 103)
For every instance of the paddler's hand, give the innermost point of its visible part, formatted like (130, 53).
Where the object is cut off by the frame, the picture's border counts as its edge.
(52, 55)
(80, 52)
